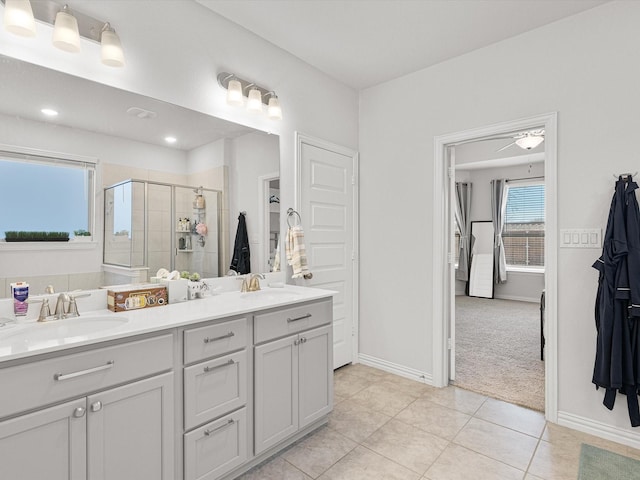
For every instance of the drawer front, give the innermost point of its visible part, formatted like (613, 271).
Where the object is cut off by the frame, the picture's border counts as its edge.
(216, 448)
(267, 326)
(214, 340)
(214, 388)
(48, 381)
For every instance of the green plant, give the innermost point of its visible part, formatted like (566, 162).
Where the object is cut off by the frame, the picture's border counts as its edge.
(22, 236)
(81, 233)
(184, 274)
(194, 277)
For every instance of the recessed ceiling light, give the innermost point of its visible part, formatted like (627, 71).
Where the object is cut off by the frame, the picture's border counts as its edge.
(170, 139)
(49, 112)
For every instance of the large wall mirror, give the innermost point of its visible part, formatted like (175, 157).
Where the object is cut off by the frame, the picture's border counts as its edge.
(235, 167)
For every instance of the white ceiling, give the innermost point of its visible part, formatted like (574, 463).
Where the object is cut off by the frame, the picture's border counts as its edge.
(366, 42)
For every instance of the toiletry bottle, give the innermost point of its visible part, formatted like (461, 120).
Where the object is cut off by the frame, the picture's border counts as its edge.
(20, 294)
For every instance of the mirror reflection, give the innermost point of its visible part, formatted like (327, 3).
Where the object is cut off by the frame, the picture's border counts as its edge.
(236, 168)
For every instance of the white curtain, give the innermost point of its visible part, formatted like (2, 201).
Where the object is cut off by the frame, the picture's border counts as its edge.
(462, 213)
(498, 209)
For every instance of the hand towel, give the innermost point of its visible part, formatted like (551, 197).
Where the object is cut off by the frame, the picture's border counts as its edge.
(296, 254)
(276, 259)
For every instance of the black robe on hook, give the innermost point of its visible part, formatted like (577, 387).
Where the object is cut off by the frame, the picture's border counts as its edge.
(241, 260)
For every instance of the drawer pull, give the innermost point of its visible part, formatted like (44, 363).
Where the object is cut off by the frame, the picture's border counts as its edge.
(213, 339)
(58, 377)
(208, 432)
(308, 315)
(209, 369)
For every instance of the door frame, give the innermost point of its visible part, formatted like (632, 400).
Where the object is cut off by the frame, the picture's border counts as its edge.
(264, 207)
(441, 313)
(301, 139)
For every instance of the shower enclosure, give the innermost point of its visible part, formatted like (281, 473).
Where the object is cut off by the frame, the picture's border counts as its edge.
(151, 225)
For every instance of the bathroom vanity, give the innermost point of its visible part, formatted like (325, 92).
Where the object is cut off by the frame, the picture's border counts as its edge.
(204, 390)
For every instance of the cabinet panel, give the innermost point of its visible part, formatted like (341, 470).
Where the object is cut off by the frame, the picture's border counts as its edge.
(214, 340)
(48, 381)
(50, 443)
(286, 321)
(315, 374)
(216, 448)
(131, 431)
(276, 392)
(214, 388)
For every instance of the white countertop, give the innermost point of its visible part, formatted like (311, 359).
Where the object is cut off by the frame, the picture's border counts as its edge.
(27, 337)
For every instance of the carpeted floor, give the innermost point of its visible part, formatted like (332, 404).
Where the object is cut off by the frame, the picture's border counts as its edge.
(498, 350)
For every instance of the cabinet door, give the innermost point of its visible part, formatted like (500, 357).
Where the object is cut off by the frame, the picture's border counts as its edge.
(276, 392)
(50, 443)
(130, 431)
(315, 374)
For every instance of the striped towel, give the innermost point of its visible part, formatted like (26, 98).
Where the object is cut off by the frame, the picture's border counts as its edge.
(296, 255)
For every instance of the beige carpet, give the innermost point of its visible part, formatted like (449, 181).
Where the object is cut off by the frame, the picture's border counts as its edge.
(498, 350)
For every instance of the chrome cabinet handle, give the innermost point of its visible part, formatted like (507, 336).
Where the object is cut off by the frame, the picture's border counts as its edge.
(96, 406)
(213, 339)
(215, 367)
(58, 377)
(210, 431)
(79, 412)
(308, 315)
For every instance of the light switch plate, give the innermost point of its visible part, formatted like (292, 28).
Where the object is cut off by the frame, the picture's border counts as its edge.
(581, 238)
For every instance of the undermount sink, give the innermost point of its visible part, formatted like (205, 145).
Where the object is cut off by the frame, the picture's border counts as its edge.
(270, 294)
(63, 330)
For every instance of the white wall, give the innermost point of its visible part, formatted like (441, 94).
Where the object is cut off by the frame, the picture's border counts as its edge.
(584, 67)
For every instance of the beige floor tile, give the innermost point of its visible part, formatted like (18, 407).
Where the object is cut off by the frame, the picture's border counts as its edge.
(557, 461)
(338, 398)
(385, 397)
(532, 477)
(408, 386)
(512, 416)
(276, 469)
(456, 398)
(557, 434)
(459, 463)
(355, 422)
(363, 371)
(436, 419)
(363, 464)
(497, 442)
(409, 446)
(348, 384)
(316, 453)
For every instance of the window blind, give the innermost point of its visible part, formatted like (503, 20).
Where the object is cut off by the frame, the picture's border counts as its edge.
(523, 233)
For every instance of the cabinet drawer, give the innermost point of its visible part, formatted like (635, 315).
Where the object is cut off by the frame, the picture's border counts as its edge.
(291, 320)
(214, 340)
(214, 388)
(48, 381)
(216, 448)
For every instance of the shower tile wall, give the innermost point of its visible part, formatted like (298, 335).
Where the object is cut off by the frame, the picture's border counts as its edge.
(160, 228)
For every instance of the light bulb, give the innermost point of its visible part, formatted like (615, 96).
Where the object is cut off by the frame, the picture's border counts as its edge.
(65, 32)
(111, 52)
(18, 18)
(274, 111)
(234, 93)
(254, 104)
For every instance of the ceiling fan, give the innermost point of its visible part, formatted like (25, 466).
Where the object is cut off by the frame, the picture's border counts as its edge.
(525, 140)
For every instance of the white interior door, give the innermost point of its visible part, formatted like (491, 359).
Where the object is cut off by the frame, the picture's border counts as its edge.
(327, 201)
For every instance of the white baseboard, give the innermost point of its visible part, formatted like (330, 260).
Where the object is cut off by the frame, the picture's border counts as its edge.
(602, 430)
(518, 299)
(396, 369)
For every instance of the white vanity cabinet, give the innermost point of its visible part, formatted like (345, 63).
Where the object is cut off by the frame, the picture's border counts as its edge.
(113, 425)
(215, 398)
(293, 376)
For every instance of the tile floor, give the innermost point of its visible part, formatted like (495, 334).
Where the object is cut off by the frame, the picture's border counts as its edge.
(387, 427)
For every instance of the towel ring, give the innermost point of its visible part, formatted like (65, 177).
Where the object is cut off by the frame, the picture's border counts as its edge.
(290, 213)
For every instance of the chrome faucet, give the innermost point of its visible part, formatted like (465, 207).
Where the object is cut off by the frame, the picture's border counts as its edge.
(66, 305)
(60, 311)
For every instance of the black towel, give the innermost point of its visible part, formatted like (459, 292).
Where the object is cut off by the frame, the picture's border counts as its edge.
(241, 260)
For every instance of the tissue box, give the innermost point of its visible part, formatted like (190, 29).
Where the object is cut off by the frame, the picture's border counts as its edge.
(176, 289)
(121, 298)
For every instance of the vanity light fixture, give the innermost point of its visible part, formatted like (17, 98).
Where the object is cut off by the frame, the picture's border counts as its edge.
(20, 16)
(256, 95)
(66, 35)
(49, 112)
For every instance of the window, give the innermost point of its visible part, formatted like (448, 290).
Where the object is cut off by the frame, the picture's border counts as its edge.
(41, 193)
(523, 233)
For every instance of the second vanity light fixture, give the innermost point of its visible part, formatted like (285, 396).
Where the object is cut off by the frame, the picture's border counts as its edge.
(238, 89)
(68, 27)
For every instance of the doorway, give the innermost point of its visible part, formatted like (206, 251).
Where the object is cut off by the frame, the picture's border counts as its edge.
(443, 275)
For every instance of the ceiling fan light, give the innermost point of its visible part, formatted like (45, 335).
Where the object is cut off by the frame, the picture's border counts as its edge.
(111, 52)
(65, 31)
(254, 104)
(530, 141)
(18, 18)
(234, 93)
